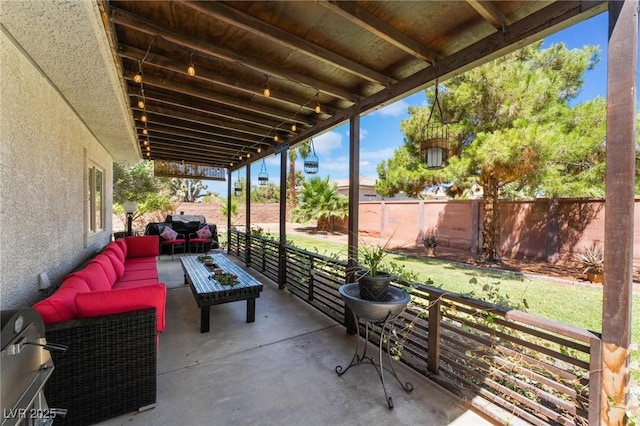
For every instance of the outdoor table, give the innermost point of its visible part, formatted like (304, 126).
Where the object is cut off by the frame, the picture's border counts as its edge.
(208, 291)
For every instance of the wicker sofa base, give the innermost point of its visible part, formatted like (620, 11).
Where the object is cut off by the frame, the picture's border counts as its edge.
(109, 368)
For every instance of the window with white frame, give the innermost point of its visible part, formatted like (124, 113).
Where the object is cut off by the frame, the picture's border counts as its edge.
(95, 213)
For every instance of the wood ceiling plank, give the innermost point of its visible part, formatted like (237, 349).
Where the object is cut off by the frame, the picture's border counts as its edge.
(274, 34)
(371, 23)
(234, 131)
(218, 98)
(160, 128)
(137, 23)
(166, 63)
(233, 117)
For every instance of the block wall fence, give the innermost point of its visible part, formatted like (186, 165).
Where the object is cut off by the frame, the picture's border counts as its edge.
(544, 229)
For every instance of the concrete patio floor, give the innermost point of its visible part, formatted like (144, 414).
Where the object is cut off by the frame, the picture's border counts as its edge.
(279, 370)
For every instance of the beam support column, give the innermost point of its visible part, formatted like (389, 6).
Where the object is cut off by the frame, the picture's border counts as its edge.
(282, 254)
(354, 196)
(619, 205)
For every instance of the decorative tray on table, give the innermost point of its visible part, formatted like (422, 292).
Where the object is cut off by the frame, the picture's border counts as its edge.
(218, 274)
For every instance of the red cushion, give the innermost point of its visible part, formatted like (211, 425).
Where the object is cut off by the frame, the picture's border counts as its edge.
(122, 243)
(117, 264)
(199, 240)
(115, 249)
(107, 267)
(179, 241)
(145, 274)
(100, 303)
(140, 267)
(94, 276)
(130, 284)
(143, 246)
(60, 306)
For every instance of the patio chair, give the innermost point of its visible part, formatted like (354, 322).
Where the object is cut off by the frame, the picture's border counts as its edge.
(172, 239)
(204, 239)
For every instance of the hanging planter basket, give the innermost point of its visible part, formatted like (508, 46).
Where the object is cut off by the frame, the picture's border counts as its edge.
(311, 162)
(237, 188)
(263, 176)
(434, 147)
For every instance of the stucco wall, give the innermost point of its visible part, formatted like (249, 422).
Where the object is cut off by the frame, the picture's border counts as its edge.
(43, 160)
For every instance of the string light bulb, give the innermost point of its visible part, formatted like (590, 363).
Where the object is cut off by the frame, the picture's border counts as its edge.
(318, 109)
(294, 127)
(276, 138)
(231, 164)
(191, 70)
(248, 155)
(138, 77)
(259, 150)
(146, 143)
(144, 118)
(145, 131)
(266, 91)
(141, 103)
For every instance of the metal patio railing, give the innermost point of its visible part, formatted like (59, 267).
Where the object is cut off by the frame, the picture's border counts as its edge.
(542, 371)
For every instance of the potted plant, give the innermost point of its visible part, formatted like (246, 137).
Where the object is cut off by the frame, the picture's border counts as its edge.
(592, 260)
(372, 280)
(430, 243)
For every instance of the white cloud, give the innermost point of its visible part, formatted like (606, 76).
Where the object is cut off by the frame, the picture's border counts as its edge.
(327, 142)
(396, 109)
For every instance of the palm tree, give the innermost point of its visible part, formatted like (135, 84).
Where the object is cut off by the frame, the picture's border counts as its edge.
(303, 149)
(320, 201)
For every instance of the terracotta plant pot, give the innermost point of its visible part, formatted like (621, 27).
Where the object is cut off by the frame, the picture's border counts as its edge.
(595, 277)
(431, 251)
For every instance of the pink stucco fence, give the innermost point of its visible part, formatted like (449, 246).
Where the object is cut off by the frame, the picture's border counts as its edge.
(537, 229)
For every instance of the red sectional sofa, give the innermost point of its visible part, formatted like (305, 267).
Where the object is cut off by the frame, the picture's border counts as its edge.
(109, 314)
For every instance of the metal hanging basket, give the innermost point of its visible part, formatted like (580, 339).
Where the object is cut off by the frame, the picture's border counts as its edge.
(311, 162)
(263, 176)
(434, 147)
(237, 188)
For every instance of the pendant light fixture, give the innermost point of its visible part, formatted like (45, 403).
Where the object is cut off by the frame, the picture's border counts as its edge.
(263, 176)
(434, 147)
(237, 188)
(311, 162)
(138, 77)
(266, 91)
(191, 70)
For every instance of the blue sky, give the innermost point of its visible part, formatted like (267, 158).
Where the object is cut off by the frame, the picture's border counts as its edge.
(380, 130)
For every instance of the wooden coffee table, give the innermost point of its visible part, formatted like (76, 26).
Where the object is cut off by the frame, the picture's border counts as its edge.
(208, 292)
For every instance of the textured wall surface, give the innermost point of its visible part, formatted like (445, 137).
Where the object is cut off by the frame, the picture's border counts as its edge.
(44, 151)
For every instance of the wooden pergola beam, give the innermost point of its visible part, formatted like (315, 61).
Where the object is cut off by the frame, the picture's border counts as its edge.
(490, 13)
(219, 98)
(274, 34)
(203, 74)
(127, 19)
(371, 23)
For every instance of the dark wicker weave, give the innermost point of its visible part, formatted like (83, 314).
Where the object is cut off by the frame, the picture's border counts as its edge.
(108, 370)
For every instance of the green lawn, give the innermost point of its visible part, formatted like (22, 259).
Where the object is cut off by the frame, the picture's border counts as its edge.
(572, 304)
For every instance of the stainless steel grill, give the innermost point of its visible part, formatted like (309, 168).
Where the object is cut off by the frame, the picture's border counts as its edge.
(26, 366)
